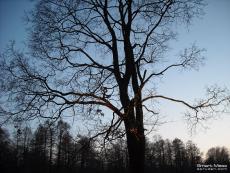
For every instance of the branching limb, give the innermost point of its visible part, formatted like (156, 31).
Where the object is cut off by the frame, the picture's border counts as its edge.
(217, 101)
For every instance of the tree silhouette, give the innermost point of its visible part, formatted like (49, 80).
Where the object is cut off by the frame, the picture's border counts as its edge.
(193, 155)
(39, 156)
(116, 157)
(7, 155)
(82, 155)
(172, 156)
(217, 155)
(88, 56)
(179, 153)
(62, 140)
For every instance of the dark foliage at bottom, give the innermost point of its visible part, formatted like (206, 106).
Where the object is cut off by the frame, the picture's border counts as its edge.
(52, 149)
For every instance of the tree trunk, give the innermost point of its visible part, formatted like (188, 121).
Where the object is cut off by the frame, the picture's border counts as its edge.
(133, 120)
(133, 117)
(136, 147)
(135, 144)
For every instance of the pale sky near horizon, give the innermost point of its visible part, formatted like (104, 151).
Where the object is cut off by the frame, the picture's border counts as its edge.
(212, 32)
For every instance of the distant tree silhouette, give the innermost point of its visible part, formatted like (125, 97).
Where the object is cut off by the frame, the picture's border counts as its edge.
(91, 55)
(193, 155)
(62, 141)
(172, 156)
(179, 154)
(26, 135)
(169, 154)
(39, 157)
(8, 160)
(85, 156)
(218, 155)
(116, 157)
(51, 134)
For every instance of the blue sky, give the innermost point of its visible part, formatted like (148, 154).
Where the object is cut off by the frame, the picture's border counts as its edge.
(212, 32)
(12, 25)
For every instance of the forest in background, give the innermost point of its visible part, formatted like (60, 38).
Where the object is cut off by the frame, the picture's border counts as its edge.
(52, 148)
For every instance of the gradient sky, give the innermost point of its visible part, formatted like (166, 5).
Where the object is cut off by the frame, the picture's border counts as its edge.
(212, 32)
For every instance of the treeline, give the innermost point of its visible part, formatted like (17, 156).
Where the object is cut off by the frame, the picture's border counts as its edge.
(52, 148)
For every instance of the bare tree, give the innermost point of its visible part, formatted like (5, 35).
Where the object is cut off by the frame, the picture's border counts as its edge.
(193, 154)
(89, 56)
(218, 155)
(62, 141)
(179, 153)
